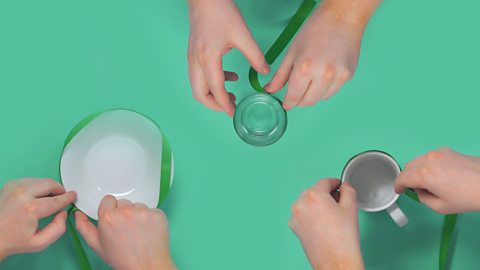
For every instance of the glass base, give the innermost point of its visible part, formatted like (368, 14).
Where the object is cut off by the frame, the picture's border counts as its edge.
(260, 119)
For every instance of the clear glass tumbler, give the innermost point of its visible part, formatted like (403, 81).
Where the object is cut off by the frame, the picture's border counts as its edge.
(260, 119)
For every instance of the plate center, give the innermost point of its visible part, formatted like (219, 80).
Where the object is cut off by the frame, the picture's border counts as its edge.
(115, 165)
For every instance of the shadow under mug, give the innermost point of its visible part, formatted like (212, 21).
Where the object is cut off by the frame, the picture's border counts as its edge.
(372, 174)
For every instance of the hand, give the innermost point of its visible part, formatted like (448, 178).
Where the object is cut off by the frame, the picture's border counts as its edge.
(216, 26)
(22, 203)
(129, 235)
(324, 54)
(326, 222)
(445, 180)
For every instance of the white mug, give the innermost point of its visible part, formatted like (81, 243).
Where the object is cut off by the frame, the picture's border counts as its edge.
(372, 174)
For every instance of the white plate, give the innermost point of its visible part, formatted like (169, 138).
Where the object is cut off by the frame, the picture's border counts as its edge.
(118, 152)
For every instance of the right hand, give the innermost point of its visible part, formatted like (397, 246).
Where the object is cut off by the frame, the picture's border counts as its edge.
(445, 180)
(129, 235)
(217, 26)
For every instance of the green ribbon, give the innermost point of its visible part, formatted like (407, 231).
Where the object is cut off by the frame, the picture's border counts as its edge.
(77, 245)
(166, 169)
(166, 174)
(282, 41)
(446, 245)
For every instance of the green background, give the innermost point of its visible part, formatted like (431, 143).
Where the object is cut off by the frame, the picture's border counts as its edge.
(416, 89)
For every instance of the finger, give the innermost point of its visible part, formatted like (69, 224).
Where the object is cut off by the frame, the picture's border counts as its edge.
(315, 91)
(428, 198)
(334, 86)
(336, 195)
(327, 185)
(297, 86)
(281, 75)
(215, 77)
(43, 187)
(140, 205)
(200, 89)
(249, 48)
(87, 230)
(348, 196)
(49, 205)
(233, 98)
(108, 203)
(122, 203)
(414, 163)
(230, 76)
(49, 234)
(407, 179)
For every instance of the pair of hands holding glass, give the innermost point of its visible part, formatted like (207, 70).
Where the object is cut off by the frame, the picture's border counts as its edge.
(320, 60)
(129, 235)
(326, 221)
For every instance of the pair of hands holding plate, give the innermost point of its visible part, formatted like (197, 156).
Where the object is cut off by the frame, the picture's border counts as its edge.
(326, 220)
(129, 235)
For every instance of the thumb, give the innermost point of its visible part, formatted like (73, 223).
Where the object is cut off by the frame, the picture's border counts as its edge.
(348, 196)
(46, 236)
(88, 231)
(247, 45)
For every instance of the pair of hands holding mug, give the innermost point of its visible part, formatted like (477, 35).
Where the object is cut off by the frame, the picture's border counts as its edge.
(320, 60)
(326, 221)
(128, 236)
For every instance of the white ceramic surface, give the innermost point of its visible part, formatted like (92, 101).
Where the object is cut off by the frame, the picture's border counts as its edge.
(117, 153)
(372, 174)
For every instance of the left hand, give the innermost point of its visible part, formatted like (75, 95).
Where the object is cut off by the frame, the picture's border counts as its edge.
(326, 222)
(23, 203)
(324, 54)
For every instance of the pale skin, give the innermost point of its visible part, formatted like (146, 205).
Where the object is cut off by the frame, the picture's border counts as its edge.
(326, 222)
(23, 203)
(446, 181)
(321, 59)
(129, 235)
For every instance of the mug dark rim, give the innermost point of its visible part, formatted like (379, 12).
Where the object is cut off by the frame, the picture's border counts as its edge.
(366, 152)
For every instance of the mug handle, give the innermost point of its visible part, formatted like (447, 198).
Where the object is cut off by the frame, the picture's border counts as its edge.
(397, 215)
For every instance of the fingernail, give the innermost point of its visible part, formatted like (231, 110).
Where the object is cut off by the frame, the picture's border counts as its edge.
(266, 69)
(287, 106)
(266, 87)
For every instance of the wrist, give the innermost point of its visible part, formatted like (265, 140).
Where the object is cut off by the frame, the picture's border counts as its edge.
(168, 266)
(340, 262)
(204, 2)
(354, 13)
(476, 197)
(164, 262)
